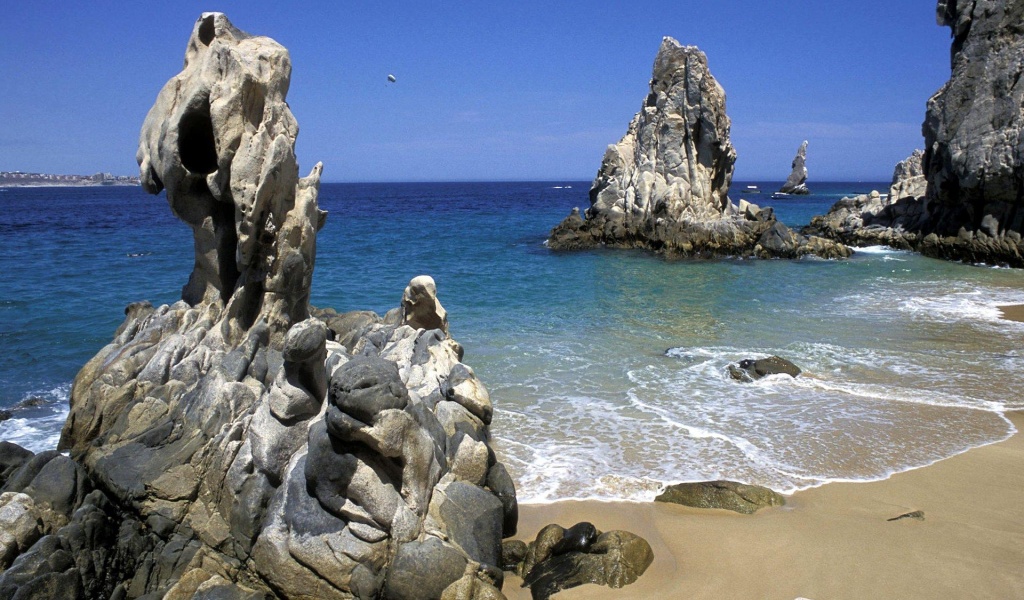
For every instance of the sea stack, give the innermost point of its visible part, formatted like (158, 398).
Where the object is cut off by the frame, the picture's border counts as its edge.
(664, 186)
(229, 445)
(966, 201)
(796, 183)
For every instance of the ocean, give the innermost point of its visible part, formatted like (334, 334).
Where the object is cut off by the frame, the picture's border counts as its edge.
(607, 369)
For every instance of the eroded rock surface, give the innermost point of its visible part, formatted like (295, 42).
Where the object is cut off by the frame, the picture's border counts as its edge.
(237, 443)
(664, 186)
(796, 183)
(966, 200)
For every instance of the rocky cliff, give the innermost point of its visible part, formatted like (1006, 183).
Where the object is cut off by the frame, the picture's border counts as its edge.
(796, 183)
(664, 186)
(239, 444)
(972, 207)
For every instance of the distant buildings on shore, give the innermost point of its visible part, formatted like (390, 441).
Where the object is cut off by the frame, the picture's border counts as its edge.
(19, 179)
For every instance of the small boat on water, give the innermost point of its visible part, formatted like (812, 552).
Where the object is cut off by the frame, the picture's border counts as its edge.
(780, 196)
(751, 189)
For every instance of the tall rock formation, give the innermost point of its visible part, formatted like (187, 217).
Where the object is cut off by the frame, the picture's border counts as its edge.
(664, 186)
(239, 444)
(796, 183)
(973, 163)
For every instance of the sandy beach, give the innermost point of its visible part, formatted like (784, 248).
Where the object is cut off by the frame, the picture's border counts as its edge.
(1013, 312)
(831, 542)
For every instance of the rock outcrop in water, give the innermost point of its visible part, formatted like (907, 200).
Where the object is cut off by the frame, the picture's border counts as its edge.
(972, 208)
(664, 186)
(239, 444)
(796, 183)
(873, 219)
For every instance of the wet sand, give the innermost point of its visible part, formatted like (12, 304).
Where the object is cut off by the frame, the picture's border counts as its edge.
(1013, 312)
(832, 542)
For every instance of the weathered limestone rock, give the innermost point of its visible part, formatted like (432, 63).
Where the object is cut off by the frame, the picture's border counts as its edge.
(241, 444)
(20, 526)
(908, 180)
(420, 308)
(796, 183)
(738, 497)
(664, 186)
(564, 558)
(972, 207)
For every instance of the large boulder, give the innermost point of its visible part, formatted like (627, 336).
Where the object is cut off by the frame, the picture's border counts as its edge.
(664, 186)
(243, 445)
(796, 183)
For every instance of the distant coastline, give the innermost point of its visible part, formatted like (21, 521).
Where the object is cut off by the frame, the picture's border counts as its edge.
(10, 179)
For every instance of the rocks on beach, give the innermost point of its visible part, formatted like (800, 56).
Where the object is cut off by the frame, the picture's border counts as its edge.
(796, 183)
(728, 495)
(561, 558)
(664, 186)
(961, 198)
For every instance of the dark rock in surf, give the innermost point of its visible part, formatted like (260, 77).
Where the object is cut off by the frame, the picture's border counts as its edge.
(752, 369)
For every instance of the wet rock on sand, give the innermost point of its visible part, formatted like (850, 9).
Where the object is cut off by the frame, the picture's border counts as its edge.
(728, 495)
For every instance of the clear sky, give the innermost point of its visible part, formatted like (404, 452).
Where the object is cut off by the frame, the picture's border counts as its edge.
(511, 90)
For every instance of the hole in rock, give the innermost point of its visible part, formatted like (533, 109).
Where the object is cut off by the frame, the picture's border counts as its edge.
(207, 31)
(196, 145)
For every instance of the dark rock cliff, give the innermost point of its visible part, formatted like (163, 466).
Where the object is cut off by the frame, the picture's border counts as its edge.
(971, 207)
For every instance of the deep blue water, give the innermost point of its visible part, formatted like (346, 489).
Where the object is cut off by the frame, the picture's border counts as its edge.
(907, 361)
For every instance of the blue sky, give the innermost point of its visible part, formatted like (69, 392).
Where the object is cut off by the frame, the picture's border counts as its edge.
(486, 90)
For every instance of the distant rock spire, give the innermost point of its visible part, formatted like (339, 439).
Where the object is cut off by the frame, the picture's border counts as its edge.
(796, 183)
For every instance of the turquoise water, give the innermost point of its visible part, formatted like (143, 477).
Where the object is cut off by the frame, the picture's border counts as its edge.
(607, 368)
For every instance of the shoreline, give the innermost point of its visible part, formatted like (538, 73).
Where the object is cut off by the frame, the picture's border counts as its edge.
(832, 541)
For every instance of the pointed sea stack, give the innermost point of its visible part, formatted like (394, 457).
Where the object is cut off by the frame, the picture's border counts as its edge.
(796, 183)
(966, 199)
(240, 443)
(664, 187)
